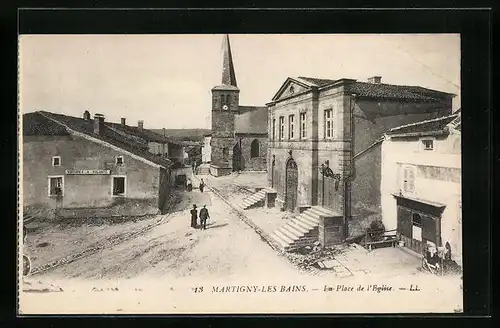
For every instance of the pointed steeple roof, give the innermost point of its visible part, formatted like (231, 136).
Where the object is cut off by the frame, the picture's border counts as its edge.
(228, 75)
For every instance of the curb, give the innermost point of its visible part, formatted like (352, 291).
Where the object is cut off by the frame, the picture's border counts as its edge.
(266, 237)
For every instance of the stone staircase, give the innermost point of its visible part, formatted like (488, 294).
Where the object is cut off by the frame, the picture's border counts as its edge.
(255, 200)
(203, 169)
(302, 230)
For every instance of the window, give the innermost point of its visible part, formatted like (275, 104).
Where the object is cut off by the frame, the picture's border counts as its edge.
(416, 220)
(56, 161)
(274, 128)
(56, 185)
(428, 144)
(254, 148)
(282, 127)
(225, 153)
(409, 179)
(118, 184)
(328, 123)
(119, 160)
(291, 126)
(303, 131)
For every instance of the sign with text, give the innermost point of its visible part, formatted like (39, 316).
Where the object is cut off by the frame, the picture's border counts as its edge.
(88, 172)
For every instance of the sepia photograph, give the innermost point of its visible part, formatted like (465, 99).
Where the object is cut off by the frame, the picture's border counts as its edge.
(239, 173)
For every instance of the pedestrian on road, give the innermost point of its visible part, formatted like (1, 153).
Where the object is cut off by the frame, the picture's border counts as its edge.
(189, 185)
(194, 217)
(203, 217)
(202, 185)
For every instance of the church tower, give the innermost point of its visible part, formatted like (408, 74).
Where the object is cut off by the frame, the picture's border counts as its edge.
(225, 105)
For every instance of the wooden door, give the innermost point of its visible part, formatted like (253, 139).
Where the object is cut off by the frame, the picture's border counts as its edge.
(291, 185)
(237, 158)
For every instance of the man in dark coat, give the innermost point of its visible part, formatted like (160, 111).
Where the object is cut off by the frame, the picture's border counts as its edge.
(203, 217)
(202, 185)
(194, 217)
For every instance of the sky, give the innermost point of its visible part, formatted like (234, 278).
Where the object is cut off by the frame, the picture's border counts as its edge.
(166, 80)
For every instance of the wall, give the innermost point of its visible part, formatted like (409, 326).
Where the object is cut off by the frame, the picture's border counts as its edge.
(164, 190)
(84, 190)
(206, 151)
(158, 148)
(438, 179)
(366, 185)
(257, 163)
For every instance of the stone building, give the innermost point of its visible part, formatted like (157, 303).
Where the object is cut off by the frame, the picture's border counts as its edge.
(324, 139)
(421, 183)
(82, 167)
(239, 133)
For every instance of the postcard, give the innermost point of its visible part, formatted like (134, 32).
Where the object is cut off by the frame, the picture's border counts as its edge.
(239, 173)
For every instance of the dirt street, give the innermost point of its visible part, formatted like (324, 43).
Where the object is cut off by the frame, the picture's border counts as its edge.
(174, 250)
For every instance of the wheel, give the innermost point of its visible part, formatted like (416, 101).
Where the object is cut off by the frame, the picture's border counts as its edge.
(26, 265)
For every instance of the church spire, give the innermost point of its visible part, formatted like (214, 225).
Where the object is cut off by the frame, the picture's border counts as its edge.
(228, 75)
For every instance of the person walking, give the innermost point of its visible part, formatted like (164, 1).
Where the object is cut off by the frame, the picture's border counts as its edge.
(189, 185)
(202, 185)
(203, 217)
(194, 217)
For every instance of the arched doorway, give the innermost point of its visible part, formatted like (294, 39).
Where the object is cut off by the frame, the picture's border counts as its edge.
(237, 165)
(291, 185)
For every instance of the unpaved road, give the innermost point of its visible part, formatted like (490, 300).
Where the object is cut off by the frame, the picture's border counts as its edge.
(174, 250)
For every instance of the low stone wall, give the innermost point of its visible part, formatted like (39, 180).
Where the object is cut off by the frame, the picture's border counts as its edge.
(219, 171)
(330, 231)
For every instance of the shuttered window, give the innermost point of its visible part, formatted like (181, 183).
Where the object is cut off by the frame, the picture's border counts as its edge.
(409, 173)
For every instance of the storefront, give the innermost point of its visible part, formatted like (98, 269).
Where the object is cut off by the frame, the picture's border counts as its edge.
(418, 222)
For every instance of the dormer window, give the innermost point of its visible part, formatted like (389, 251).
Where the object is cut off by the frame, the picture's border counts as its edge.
(56, 161)
(119, 160)
(428, 144)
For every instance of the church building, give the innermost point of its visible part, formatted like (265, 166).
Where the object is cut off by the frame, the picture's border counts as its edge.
(238, 141)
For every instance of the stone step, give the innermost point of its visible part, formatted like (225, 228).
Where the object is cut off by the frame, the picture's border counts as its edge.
(284, 237)
(321, 211)
(303, 223)
(278, 240)
(294, 235)
(297, 227)
(308, 218)
(311, 216)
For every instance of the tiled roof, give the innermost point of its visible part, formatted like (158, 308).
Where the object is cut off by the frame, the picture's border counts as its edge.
(252, 121)
(383, 90)
(437, 124)
(145, 134)
(391, 91)
(316, 81)
(107, 135)
(35, 124)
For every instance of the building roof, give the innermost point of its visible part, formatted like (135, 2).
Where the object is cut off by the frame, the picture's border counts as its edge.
(392, 91)
(252, 121)
(428, 126)
(228, 74)
(373, 90)
(35, 124)
(145, 134)
(316, 81)
(108, 135)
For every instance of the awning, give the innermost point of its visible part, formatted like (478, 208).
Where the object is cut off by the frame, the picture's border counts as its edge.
(431, 207)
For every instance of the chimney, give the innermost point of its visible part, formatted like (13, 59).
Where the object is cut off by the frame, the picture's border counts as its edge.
(86, 115)
(140, 125)
(375, 79)
(123, 121)
(98, 123)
